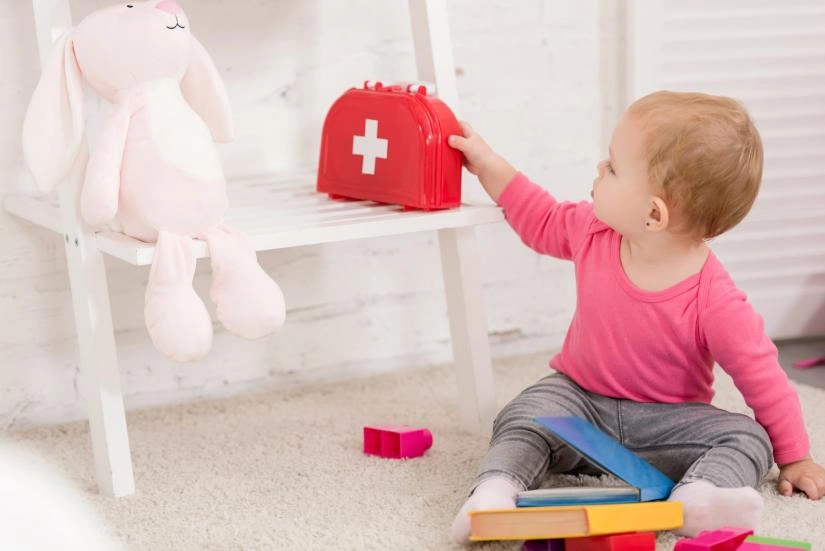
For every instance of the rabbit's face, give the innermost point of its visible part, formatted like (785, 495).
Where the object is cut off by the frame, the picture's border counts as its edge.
(122, 46)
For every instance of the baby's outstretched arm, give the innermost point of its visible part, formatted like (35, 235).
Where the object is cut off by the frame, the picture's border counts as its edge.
(492, 170)
(804, 475)
(547, 226)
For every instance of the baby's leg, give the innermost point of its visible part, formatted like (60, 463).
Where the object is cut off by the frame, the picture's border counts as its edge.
(521, 453)
(718, 457)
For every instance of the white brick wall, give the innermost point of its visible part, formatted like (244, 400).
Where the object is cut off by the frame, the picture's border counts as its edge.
(528, 80)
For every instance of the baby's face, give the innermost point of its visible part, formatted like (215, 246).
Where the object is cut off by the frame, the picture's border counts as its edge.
(621, 192)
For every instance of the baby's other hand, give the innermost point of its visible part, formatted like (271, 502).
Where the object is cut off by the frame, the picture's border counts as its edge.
(804, 475)
(492, 170)
(477, 154)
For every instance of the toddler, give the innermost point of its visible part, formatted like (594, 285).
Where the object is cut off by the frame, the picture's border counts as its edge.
(654, 310)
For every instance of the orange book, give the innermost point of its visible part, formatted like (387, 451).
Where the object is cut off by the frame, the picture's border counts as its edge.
(524, 523)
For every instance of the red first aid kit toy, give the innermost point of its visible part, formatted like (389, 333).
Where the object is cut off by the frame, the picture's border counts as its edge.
(389, 144)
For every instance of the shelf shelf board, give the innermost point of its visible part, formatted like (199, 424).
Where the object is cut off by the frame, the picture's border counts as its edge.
(279, 213)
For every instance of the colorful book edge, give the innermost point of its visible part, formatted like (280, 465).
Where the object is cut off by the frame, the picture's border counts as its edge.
(577, 495)
(606, 453)
(600, 519)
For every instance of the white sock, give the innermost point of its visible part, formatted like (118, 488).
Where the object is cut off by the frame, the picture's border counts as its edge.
(708, 507)
(493, 493)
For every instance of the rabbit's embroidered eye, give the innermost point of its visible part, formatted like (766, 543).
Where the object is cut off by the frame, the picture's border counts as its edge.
(129, 6)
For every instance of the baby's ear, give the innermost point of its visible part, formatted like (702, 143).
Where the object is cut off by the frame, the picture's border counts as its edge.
(53, 126)
(658, 216)
(204, 90)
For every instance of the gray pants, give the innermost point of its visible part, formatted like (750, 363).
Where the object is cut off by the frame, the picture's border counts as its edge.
(688, 442)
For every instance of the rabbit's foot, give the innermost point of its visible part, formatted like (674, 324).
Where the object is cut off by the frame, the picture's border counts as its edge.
(178, 322)
(248, 302)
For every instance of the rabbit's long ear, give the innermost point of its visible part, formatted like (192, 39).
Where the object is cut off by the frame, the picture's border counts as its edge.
(204, 90)
(53, 127)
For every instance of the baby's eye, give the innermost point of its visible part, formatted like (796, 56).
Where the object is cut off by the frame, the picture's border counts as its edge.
(609, 168)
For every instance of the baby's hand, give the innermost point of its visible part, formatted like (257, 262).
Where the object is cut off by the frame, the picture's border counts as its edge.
(477, 154)
(804, 475)
(492, 170)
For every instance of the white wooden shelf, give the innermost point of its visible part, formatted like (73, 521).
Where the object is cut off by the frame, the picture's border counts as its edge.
(279, 213)
(275, 213)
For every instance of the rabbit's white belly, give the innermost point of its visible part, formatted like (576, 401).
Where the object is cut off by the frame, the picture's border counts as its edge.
(179, 135)
(171, 177)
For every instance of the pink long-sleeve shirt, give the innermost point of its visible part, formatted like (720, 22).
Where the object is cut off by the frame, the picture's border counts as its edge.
(628, 343)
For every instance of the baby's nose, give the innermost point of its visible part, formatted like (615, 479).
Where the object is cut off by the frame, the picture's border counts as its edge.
(169, 6)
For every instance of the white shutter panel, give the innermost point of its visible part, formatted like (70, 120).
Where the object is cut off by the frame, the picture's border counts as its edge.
(771, 56)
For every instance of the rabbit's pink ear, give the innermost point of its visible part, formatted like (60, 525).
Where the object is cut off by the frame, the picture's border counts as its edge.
(204, 90)
(53, 126)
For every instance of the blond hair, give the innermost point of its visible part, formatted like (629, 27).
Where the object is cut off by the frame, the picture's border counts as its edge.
(704, 155)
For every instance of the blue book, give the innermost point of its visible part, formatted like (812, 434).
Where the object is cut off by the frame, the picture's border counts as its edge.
(644, 481)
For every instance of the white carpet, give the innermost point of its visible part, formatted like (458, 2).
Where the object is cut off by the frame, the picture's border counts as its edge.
(283, 469)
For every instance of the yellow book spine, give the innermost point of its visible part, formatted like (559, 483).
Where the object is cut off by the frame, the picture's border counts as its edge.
(634, 517)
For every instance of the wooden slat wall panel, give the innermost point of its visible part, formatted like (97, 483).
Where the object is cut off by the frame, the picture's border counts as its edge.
(771, 56)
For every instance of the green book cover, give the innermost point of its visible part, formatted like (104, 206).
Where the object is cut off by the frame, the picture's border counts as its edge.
(780, 543)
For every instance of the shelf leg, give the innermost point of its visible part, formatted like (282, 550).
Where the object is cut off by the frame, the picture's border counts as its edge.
(468, 328)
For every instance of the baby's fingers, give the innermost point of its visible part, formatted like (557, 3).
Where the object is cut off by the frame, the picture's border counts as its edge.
(820, 485)
(466, 129)
(807, 484)
(811, 486)
(785, 488)
(457, 142)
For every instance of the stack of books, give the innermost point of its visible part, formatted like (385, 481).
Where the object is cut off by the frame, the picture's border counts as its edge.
(586, 511)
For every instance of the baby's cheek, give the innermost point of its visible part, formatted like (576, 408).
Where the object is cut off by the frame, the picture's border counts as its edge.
(597, 208)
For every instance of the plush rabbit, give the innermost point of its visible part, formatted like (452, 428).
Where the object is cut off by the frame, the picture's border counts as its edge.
(154, 169)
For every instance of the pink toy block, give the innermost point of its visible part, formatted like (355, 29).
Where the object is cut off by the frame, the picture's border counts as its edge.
(724, 539)
(396, 441)
(640, 541)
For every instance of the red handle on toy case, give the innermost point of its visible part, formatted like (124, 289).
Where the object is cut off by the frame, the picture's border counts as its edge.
(423, 88)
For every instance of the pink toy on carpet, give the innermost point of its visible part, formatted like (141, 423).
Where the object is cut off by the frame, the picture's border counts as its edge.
(396, 441)
(724, 539)
(154, 169)
(737, 539)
